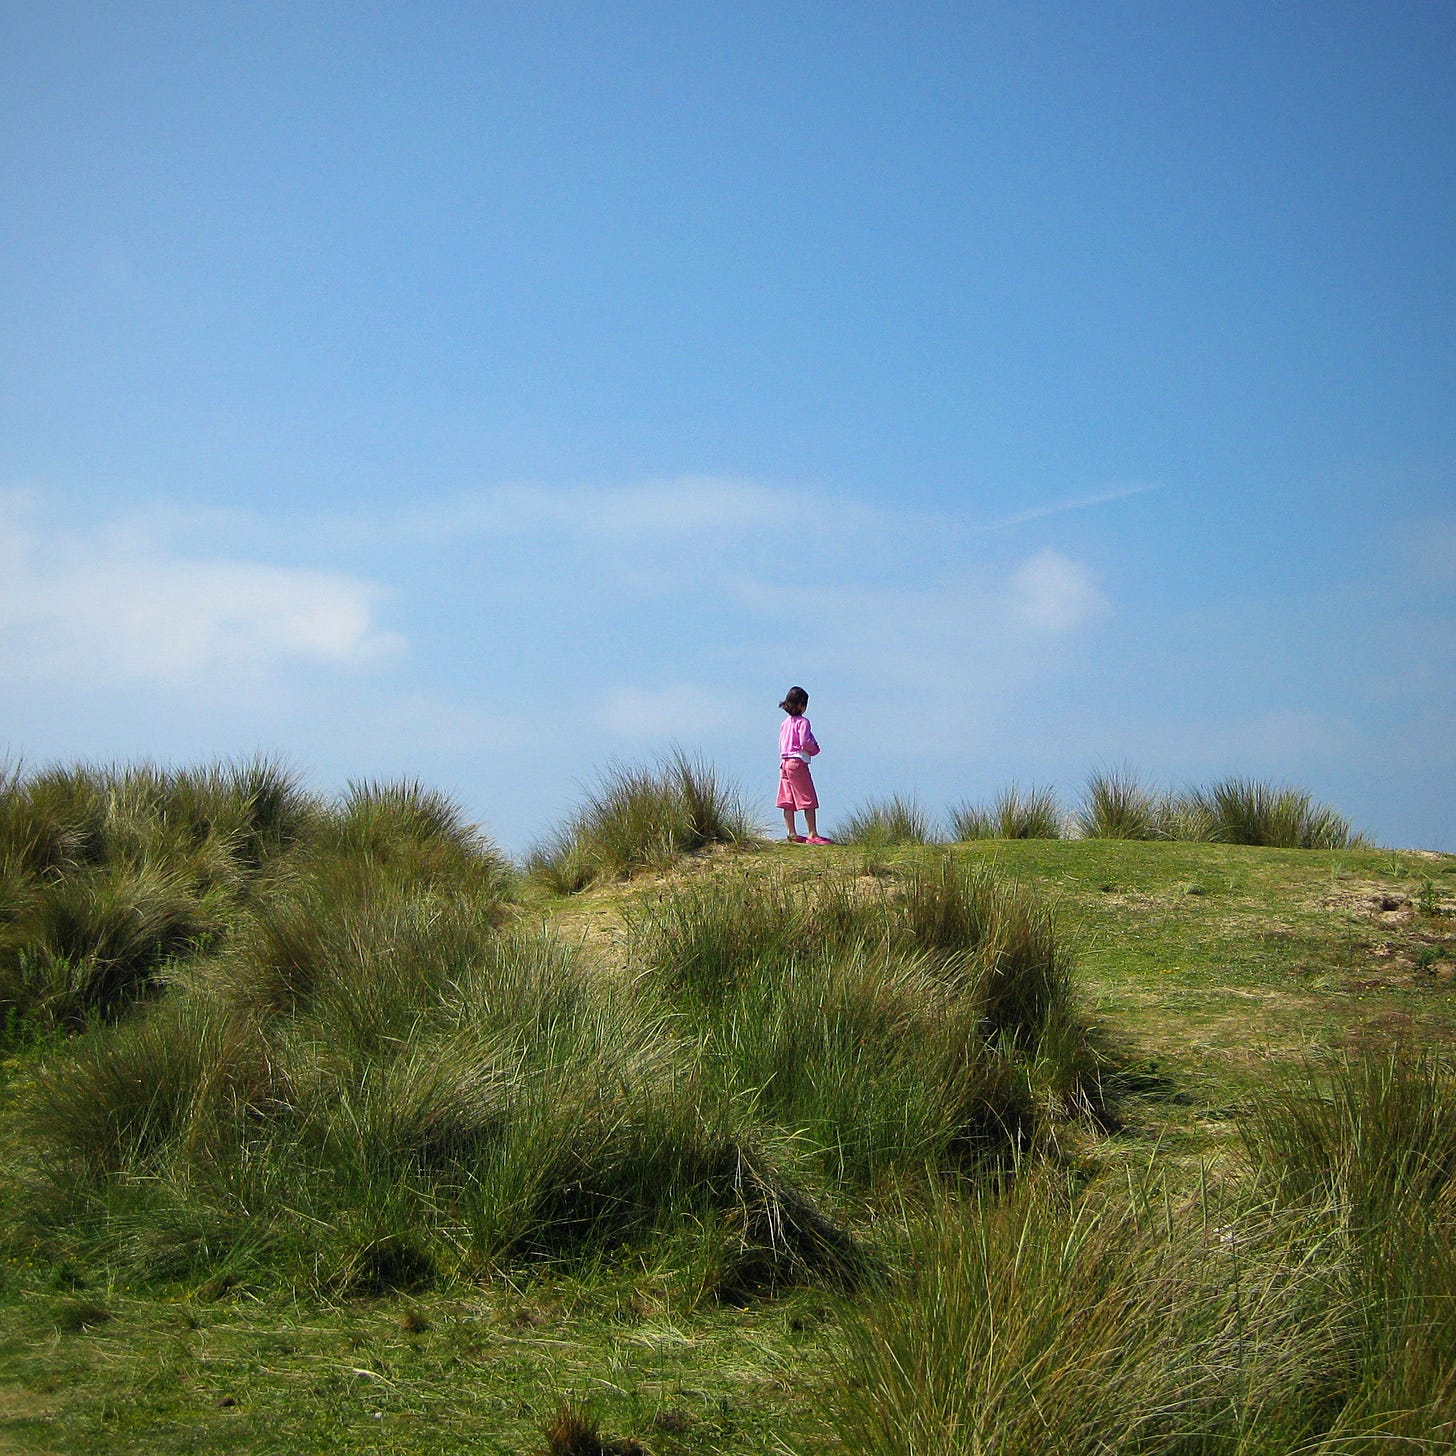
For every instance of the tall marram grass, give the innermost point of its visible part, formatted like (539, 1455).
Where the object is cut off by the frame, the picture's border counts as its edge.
(640, 818)
(1364, 1149)
(1249, 811)
(374, 1085)
(1310, 1307)
(109, 874)
(1374, 1131)
(1039, 1322)
(884, 822)
(313, 1051)
(536, 1111)
(1116, 805)
(924, 1023)
(1014, 814)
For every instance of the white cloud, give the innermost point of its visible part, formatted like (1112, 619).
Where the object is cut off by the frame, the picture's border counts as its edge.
(117, 605)
(1053, 593)
(689, 505)
(976, 626)
(966, 650)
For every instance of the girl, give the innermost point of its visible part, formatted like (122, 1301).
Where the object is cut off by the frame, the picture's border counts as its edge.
(796, 786)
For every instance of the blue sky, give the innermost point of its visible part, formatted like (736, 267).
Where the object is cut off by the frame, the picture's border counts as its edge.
(489, 392)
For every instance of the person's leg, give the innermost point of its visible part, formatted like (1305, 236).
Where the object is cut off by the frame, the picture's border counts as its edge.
(789, 824)
(811, 822)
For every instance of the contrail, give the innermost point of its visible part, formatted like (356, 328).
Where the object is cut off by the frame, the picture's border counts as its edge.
(1038, 513)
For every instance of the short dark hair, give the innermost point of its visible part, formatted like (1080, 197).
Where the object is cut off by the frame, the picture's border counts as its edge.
(795, 701)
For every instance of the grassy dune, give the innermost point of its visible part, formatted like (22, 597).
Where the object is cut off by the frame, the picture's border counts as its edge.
(323, 1128)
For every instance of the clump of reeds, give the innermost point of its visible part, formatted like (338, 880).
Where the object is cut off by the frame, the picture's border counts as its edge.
(111, 876)
(1033, 813)
(1250, 811)
(384, 826)
(1373, 1131)
(885, 822)
(573, 1431)
(1307, 1308)
(892, 1025)
(995, 936)
(1361, 1153)
(316, 1053)
(1116, 805)
(640, 818)
(1040, 1321)
(398, 1093)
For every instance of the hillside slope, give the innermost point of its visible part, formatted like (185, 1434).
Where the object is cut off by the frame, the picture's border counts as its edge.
(1203, 971)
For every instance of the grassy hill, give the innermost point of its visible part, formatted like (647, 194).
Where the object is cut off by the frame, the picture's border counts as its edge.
(320, 1132)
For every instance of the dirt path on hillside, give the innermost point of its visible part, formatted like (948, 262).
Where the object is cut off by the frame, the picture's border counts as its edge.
(594, 923)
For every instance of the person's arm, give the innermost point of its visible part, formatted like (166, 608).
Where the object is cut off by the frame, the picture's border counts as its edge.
(810, 743)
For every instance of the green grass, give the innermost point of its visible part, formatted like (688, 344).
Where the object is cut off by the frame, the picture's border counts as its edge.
(483, 1372)
(1142, 1320)
(1248, 811)
(909, 1022)
(383, 1160)
(110, 876)
(1014, 814)
(1117, 806)
(885, 822)
(641, 818)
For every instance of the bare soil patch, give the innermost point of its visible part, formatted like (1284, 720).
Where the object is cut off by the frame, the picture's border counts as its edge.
(19, 1404)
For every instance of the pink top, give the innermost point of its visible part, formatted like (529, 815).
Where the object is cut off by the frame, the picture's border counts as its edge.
(796, 739)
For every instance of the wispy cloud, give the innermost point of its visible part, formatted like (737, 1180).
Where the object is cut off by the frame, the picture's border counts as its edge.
(689, 505)
(115, 605)
(1079, 503)
(551, 626)
(963, 647)
(1052, 592)
(1046, 595)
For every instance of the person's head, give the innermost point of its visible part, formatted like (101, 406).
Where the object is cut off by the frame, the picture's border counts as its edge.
(795, 701)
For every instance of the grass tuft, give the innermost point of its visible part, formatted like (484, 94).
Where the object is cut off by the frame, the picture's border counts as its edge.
(109, 878)
(1117, 806)
(1128, 1318)
(1375, 1132)
(887, 1026)
(1032, 814)
(1249, 811)
(399, 1094)
(885, 822)
(642, 818)
(355, 1071)
(573, 1431)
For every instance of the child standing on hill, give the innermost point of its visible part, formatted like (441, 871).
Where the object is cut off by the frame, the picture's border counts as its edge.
(797, 746)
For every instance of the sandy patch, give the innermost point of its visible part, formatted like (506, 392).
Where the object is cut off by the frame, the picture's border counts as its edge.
(19, 1404)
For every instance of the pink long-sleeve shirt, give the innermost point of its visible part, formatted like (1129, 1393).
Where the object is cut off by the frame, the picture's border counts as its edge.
(796, 739)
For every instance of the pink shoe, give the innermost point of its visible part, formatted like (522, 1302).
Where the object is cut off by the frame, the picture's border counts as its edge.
(796, 839)
(818, 839)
